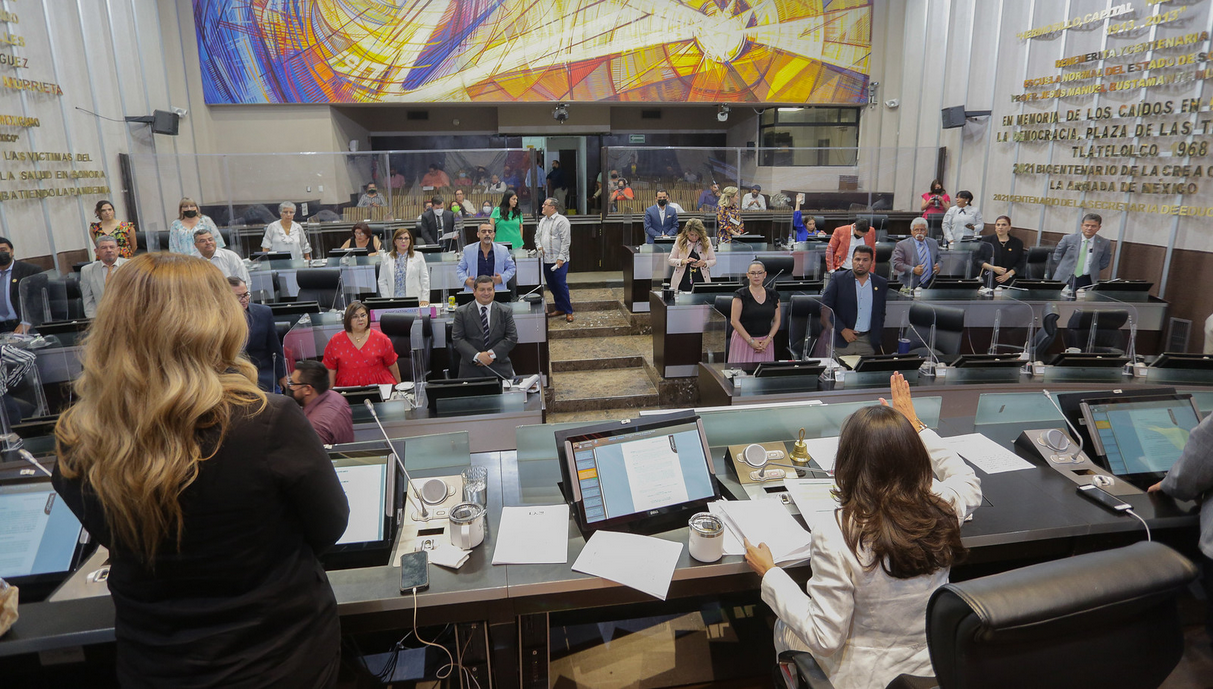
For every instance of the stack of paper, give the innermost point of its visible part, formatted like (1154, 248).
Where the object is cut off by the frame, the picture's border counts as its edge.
(985, 454)
(640, 562)
(765, 521)
(812, 496)
(823, 451)
(533, 535)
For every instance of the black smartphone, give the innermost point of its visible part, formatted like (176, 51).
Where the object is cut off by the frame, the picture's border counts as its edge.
(414, 571)
(1104, 498)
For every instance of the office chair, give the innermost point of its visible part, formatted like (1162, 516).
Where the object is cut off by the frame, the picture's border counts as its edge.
(883, 263)
(804, 325)
(453, 357)
(1103, 619)
(820, 220)
(1044, 338)
(161, 239)
(399, 329)
(724, 306)
(1038, 262)
(75, 298)
(1107, 324)
(879, 223)
(321, 285)
(779, 269)
(949, 325)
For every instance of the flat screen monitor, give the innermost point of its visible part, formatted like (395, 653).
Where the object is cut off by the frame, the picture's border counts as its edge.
(668, 241)
(428, 248)
(1138, 439)
(1123, 286)
(294, 308)
(795, 285)
(953, 117)
(884, 362)
(1089, 360)
(644, 475)
(272, 256)
(379, 306)
(782, 369)
(39, 537)
(352, 251)
(356, 395)
(1199, 362)
(750, 239)
(1041, 284)
(64, 327)
(502, 296)
(715, 287)
(452, 388)
(374, 488)
(954, 283)
(1071, 404)
(987, 361)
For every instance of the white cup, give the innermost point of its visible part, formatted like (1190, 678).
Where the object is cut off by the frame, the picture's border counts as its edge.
(706, 540)
(466, 525)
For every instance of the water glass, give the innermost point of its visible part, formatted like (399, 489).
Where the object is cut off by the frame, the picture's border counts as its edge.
(475, 484)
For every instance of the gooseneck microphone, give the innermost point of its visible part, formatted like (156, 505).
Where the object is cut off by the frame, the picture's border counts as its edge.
(399, 460)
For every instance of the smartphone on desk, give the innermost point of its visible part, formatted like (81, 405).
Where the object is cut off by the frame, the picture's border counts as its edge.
(414, 571)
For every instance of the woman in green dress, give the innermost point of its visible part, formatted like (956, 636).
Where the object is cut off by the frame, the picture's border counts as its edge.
(507, 220)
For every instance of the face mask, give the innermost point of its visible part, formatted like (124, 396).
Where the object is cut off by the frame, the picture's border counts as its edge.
(462, 175)
(662, 202)
(486, 209)
(372, 192)
(5, 258)
(190, 214)
(936, 190)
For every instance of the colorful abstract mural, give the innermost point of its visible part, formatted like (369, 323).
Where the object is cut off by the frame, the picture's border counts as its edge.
(507, 51)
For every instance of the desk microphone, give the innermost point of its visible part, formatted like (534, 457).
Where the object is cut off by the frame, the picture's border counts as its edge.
(399, 460)
(25, 454)
(773, 279)
(935, 364)
(339, 294)
(537, 288)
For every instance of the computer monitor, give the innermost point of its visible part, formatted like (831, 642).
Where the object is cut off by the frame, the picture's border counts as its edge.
(714, 287)
(272, 256)
(884, 362)
(374, 487)
(293, 308)
(452, 388)
(357, 395)
(1138, 439)
(797, 285)
(381, 305)
(987, 361)
(1070, 404)
(954, 283)
(1197, 362)
(502, 296)
(1040, 284)
(428, 248)
(784, 369)
(642, 475)
(1119, 285)
(749, 239)
(352, 251)
(1089, 360)
(40, 539)
(664, 240)
(64, 327)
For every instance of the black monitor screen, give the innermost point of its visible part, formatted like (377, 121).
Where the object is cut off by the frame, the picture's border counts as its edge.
(38, 531)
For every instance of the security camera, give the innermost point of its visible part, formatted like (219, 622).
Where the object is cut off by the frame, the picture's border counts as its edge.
(892, 103)
(561, 113)
(723, 114)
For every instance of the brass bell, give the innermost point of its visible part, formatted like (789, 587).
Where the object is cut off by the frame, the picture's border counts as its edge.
(800, 451)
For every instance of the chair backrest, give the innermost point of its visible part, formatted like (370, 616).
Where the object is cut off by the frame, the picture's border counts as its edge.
(779, 268)
(883, 265)
(453, 357)
(1038, 262)
(1047, 334)
(877, 222)
(321, 285)
(949, 327)
(804, 325)
(1108, 337)
(1103, 619)
(75, 299)
(399, 329)
(724, 306)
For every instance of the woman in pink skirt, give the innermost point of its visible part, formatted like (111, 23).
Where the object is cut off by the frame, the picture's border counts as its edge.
(755, 319)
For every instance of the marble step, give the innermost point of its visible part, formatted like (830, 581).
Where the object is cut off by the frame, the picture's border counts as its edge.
(597, 415)
(582, 352)
(598, 364)
(591, 323)
(588, 391)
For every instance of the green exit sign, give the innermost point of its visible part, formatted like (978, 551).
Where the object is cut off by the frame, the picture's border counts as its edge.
(635, 138)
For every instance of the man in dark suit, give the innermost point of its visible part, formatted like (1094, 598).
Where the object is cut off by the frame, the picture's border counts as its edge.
(857, 298)
(478, 351)
(263, 347)
(916, 259)
(12, 272)
(660, 220)
(435, 222)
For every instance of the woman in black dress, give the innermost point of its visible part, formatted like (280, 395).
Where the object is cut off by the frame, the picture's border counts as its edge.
(755, 319)
(1001, 254)
(212, 498)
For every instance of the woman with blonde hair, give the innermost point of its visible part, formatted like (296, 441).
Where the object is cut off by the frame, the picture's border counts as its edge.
(212, 498)
(728, 216)
(403, 273)
(691, 257)
(189, 220)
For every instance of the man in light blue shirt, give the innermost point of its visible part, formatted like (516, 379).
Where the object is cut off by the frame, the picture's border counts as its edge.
(857, 299)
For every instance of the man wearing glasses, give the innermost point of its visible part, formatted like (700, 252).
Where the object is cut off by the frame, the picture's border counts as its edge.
(263, 347)
(327, 410)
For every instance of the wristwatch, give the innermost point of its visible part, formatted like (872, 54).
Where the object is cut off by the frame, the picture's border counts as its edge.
(922, 427)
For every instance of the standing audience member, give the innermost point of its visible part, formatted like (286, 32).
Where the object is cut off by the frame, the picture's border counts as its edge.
(755, 318)
(485, 257)
(916, 259)
(403, 272)
(108, 225)
(1083, 255)
(484, 334)
(507, 220)
(1001, 253)
(285, 234)
(877, 558)
(397, 180)
(691, 257)
(936, 201)
(557, 182)
(845, 240)
(12, 272)
(552, 239)
(728, 216)
(226, 261)
(95, 275)
(181, 232)
(659, 219)
(857, 300)
(435, 222)
(371, 197)
(962, 221)
(360, 355)
(709, 198)
(754, 201)
(263, 347)
(327, 410)
(214, 505)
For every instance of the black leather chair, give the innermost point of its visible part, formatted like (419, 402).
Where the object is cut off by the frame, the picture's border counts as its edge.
(1038, 262)
(1109, 339)
(453, 357)
(883, 265)
(399, 329)
(75, 298)
(1103, 619)
(949, 325)
(724, 306)
(804, 325)
(321, 285)
(1047, 334)
(779, 269)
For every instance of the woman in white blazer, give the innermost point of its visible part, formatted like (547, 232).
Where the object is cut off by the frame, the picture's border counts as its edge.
(692, 256)
(877, 557)
(402, 272)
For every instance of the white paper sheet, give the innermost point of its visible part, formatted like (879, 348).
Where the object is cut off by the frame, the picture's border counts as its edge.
(811, 495)
(985, 454)
(732, 540)
(533, 535)
(823, 451)
(644, 563)
(654, 473)
(767, 521)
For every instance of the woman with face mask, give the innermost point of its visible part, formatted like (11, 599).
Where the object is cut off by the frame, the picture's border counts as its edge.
(935, 201)
(181, 232)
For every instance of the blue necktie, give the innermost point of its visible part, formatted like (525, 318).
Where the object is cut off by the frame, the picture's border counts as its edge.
(484, 325)
(925, 259)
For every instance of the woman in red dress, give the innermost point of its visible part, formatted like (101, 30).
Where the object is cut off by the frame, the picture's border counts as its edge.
(360, 356)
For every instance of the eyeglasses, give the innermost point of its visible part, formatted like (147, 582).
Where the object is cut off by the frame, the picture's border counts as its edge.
(758, 274)
(244, 297)
(293, 384)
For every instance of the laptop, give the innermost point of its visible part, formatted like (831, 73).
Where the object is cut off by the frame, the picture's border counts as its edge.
(41, 541)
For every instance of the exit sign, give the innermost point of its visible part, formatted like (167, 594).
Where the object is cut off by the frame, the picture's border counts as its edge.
(635, 138)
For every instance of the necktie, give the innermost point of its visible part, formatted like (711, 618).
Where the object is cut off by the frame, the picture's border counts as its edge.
(439, 216)
(484, 325)
(107, 273)
(1082, 259)
(925, 259)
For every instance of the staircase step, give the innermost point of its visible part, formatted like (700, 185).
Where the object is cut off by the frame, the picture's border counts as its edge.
(579, 391)
(626, 347)
(583, 294)
(590, 323)
(598, 364)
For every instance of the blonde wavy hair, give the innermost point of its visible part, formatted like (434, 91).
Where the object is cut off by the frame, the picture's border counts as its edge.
(693, 225)
(727, 196)
(162, 376)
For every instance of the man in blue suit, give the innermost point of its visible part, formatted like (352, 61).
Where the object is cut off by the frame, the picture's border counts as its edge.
(485, 257)
(263, 347)
(857, 298)
(660, 220)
